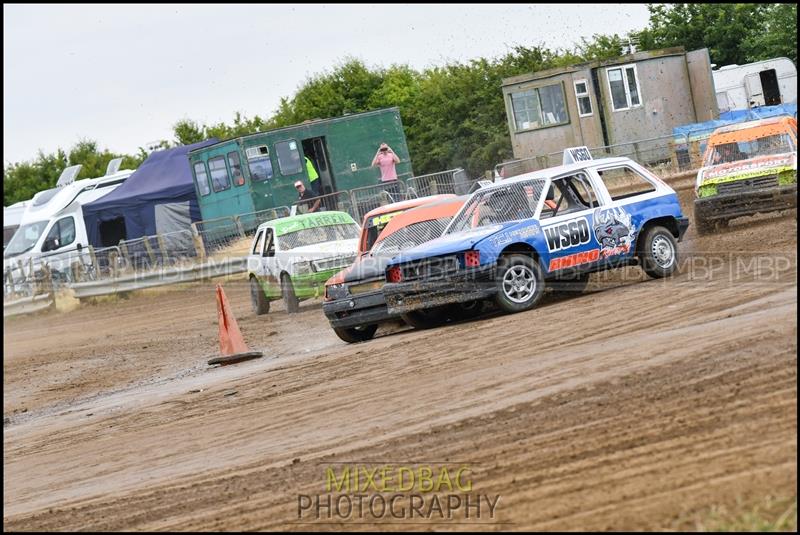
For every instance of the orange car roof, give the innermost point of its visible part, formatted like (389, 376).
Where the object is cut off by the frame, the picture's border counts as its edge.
(405, 205)
(432, 210)
(751, 130)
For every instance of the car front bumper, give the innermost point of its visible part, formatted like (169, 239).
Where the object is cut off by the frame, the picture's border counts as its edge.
(404, 297)
(357, 310)
(729, 205)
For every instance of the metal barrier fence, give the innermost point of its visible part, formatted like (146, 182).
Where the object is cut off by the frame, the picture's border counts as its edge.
(368, 198)
(665, 154)
(358, 201)
(211, 235)
(339, 201)
(453, 181)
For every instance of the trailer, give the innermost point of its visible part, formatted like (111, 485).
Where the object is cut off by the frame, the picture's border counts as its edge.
(258, 171)
(762, 83)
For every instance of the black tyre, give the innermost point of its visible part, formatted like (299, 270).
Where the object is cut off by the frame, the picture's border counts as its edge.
(257, 298)
(703, 226)
(426, 318)
(658, 253)
(290, 300)
(520, 283)
(353, 335)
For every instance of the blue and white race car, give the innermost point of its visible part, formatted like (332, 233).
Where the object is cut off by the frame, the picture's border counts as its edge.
(548, 227)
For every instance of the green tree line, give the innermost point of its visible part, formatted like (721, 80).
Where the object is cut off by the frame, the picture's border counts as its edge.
(454, 115)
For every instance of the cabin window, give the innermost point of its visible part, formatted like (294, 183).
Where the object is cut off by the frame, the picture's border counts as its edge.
(201, 178)
(582, 96)
(539, 107)
(236, 168)
(623, 85)
(260, 169)
(288, 157)
(259, 163)
(62, 234)
(220, 180)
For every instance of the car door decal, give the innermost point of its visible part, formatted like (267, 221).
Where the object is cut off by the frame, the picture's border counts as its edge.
(614, 230)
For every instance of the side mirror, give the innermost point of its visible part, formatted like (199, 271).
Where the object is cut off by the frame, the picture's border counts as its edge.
(79, 247)
(50, 244)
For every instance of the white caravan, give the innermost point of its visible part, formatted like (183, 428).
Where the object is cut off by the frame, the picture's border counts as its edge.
(52, 229)
(763, 83)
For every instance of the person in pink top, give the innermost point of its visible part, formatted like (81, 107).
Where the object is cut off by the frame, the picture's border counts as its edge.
(386, 159)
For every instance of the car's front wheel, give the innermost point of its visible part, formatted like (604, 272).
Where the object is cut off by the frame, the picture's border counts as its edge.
(352, 335)
(520, 283)
(257, 298)
(290, 299)
(702, 225)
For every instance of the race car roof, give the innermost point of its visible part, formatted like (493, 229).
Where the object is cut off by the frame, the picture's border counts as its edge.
(551, 172)
(750, 130)
(404, 205)
(446, 207)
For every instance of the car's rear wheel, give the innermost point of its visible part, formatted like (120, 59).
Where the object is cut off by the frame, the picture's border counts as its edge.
(520, 283)
(353, 335)
(659, 252)
(257, 298)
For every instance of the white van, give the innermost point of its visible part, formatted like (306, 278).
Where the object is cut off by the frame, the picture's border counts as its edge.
(12, 215)
(52, 229)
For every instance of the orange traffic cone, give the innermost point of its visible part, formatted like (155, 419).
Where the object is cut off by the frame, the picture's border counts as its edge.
(231, 342)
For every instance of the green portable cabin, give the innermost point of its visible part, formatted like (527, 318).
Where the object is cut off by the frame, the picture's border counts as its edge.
(258, 171)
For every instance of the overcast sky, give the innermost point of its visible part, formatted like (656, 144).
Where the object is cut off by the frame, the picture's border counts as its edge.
(123, 75)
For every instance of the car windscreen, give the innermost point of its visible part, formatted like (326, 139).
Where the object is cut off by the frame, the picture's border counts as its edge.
(509, 202)
(411, 236)
(25, 238)
(744, 150)
(315, 235)
(373, 227)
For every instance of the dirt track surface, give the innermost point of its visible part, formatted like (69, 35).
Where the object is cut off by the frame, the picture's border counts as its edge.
(637, 405)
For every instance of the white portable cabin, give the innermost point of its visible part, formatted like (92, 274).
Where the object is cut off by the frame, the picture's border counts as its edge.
(762, 83)
(52, 227)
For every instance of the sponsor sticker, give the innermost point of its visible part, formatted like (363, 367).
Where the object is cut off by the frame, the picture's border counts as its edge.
(567, 235)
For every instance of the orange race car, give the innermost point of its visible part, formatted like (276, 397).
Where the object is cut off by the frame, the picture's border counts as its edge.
(747, 168)
(354, 303)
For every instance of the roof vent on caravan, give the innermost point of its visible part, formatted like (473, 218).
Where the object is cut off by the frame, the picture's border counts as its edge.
(113, 166)
(68, 175)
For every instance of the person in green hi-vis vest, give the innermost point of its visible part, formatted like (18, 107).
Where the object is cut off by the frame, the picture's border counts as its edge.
(313, 177)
